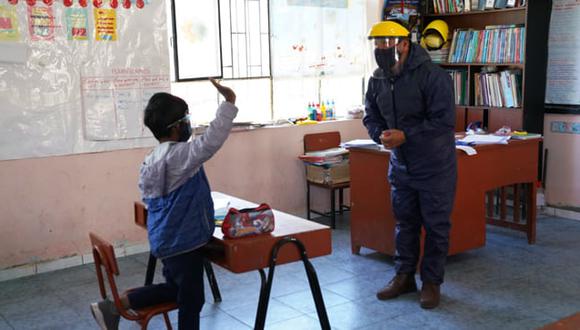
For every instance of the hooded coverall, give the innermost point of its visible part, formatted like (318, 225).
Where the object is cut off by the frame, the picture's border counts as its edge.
(423, 170)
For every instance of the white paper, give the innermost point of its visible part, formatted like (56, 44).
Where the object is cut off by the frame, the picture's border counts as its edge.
(360, 143)
(467, 149)
(485, 139)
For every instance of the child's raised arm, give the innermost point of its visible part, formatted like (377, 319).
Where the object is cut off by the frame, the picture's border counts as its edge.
(227, 92)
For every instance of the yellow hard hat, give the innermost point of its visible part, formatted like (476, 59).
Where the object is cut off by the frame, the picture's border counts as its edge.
(386, 29)
(435, 35)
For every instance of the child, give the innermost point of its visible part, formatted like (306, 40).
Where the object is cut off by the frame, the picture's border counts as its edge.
(180, 218)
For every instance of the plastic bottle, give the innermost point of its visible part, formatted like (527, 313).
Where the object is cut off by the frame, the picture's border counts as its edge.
(333, 110)
(318, 114)
(311, 114)
(323, 110)
(329, 111)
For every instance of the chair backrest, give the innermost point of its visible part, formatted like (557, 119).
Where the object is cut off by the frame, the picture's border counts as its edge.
(104, 256)
(321, 141)
(140, 214)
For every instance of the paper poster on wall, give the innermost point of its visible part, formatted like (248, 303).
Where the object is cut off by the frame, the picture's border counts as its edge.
(113, 105)
(77, 24)
(105, 24)
(8, 24)
(40, 23)
(563, 76)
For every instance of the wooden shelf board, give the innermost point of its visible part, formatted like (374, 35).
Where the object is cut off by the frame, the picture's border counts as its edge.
(478, 12)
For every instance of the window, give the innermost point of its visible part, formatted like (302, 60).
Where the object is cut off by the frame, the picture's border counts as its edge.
(280, 55)
(228, 38)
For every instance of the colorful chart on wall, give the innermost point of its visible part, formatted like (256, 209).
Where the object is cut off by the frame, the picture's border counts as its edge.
(75, 75)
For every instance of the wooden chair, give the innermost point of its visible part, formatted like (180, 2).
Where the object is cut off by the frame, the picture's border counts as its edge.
(104, 256)
(316, 142)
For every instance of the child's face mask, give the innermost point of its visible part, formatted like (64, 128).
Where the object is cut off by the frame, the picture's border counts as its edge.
(184, 131)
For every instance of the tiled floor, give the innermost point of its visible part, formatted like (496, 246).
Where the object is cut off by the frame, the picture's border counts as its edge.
(506, 285)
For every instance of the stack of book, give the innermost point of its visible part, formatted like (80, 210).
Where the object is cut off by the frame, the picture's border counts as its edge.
(459, 6)
(440, 55)
(498, 89)
(495, 44)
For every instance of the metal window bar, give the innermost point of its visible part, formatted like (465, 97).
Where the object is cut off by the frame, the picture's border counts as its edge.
(234, 35)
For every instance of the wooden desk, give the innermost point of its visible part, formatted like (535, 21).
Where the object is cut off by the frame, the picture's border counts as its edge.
(571, 322)
(266, 250)
(372, 220)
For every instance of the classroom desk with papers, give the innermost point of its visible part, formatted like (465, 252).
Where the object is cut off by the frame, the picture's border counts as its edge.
(513, 166)
(293, 239)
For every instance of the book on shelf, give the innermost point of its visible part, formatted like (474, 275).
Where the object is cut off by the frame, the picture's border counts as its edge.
(489, 4)
(499, 4)
(495, 44)
(497, 89)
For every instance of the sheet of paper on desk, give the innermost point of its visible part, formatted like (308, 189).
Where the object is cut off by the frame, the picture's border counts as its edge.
(221, 207)
(485, 139)
(360, 143)
(467, 149)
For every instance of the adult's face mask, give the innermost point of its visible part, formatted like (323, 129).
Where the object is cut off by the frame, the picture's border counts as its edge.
(386, 58)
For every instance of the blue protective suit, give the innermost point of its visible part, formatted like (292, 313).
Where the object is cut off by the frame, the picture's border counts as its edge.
(423, 171)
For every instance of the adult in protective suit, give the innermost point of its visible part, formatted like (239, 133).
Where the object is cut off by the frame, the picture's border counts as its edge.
(410, 110)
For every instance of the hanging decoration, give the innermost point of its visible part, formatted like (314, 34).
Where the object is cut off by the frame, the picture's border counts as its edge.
(84, 3)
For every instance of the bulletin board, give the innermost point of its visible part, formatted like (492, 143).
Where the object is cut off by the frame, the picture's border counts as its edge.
(563, 72)
(75, 75)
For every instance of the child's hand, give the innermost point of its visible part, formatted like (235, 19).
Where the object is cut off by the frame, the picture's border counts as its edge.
(227, 92)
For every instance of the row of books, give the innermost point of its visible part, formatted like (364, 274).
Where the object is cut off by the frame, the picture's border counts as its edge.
(459, 78)
(495, 44)
(460, 6)
(498, 89)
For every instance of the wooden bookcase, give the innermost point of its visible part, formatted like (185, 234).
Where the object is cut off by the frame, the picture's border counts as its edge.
(535, 16)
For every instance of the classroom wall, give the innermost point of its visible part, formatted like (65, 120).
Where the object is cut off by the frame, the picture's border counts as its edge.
(49, 205)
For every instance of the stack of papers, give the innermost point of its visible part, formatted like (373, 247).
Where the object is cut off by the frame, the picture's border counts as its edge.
(325, 157)
(479, 139)
(360, 143)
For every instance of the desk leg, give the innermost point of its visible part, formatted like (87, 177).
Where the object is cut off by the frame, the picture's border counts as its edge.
(150, 269)
(307, 200)
(266, 286)
(531, 213)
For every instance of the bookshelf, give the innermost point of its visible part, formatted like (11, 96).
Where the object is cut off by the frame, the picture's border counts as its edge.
(529, 113)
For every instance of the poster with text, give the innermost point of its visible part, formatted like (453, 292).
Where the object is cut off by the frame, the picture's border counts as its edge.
(77, 24)
(105, 24)
(40, 23)
(8, 24)
(563, 76)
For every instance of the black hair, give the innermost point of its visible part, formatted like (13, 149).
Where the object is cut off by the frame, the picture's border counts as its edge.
(162, 110)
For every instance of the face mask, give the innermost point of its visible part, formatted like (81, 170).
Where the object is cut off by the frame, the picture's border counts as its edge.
(386, 58)
(184, 131)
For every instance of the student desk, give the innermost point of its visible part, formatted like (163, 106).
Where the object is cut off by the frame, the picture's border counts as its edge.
(494, 166)
(266, 250)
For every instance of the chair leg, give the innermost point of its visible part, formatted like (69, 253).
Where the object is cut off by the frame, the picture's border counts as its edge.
(332, 209)
(167, 322)
(150, 269)
(215, 290)
(340, 200)
(307, 200)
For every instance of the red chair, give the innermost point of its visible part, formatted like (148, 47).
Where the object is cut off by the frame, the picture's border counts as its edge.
(322, 141)
(104, 256)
